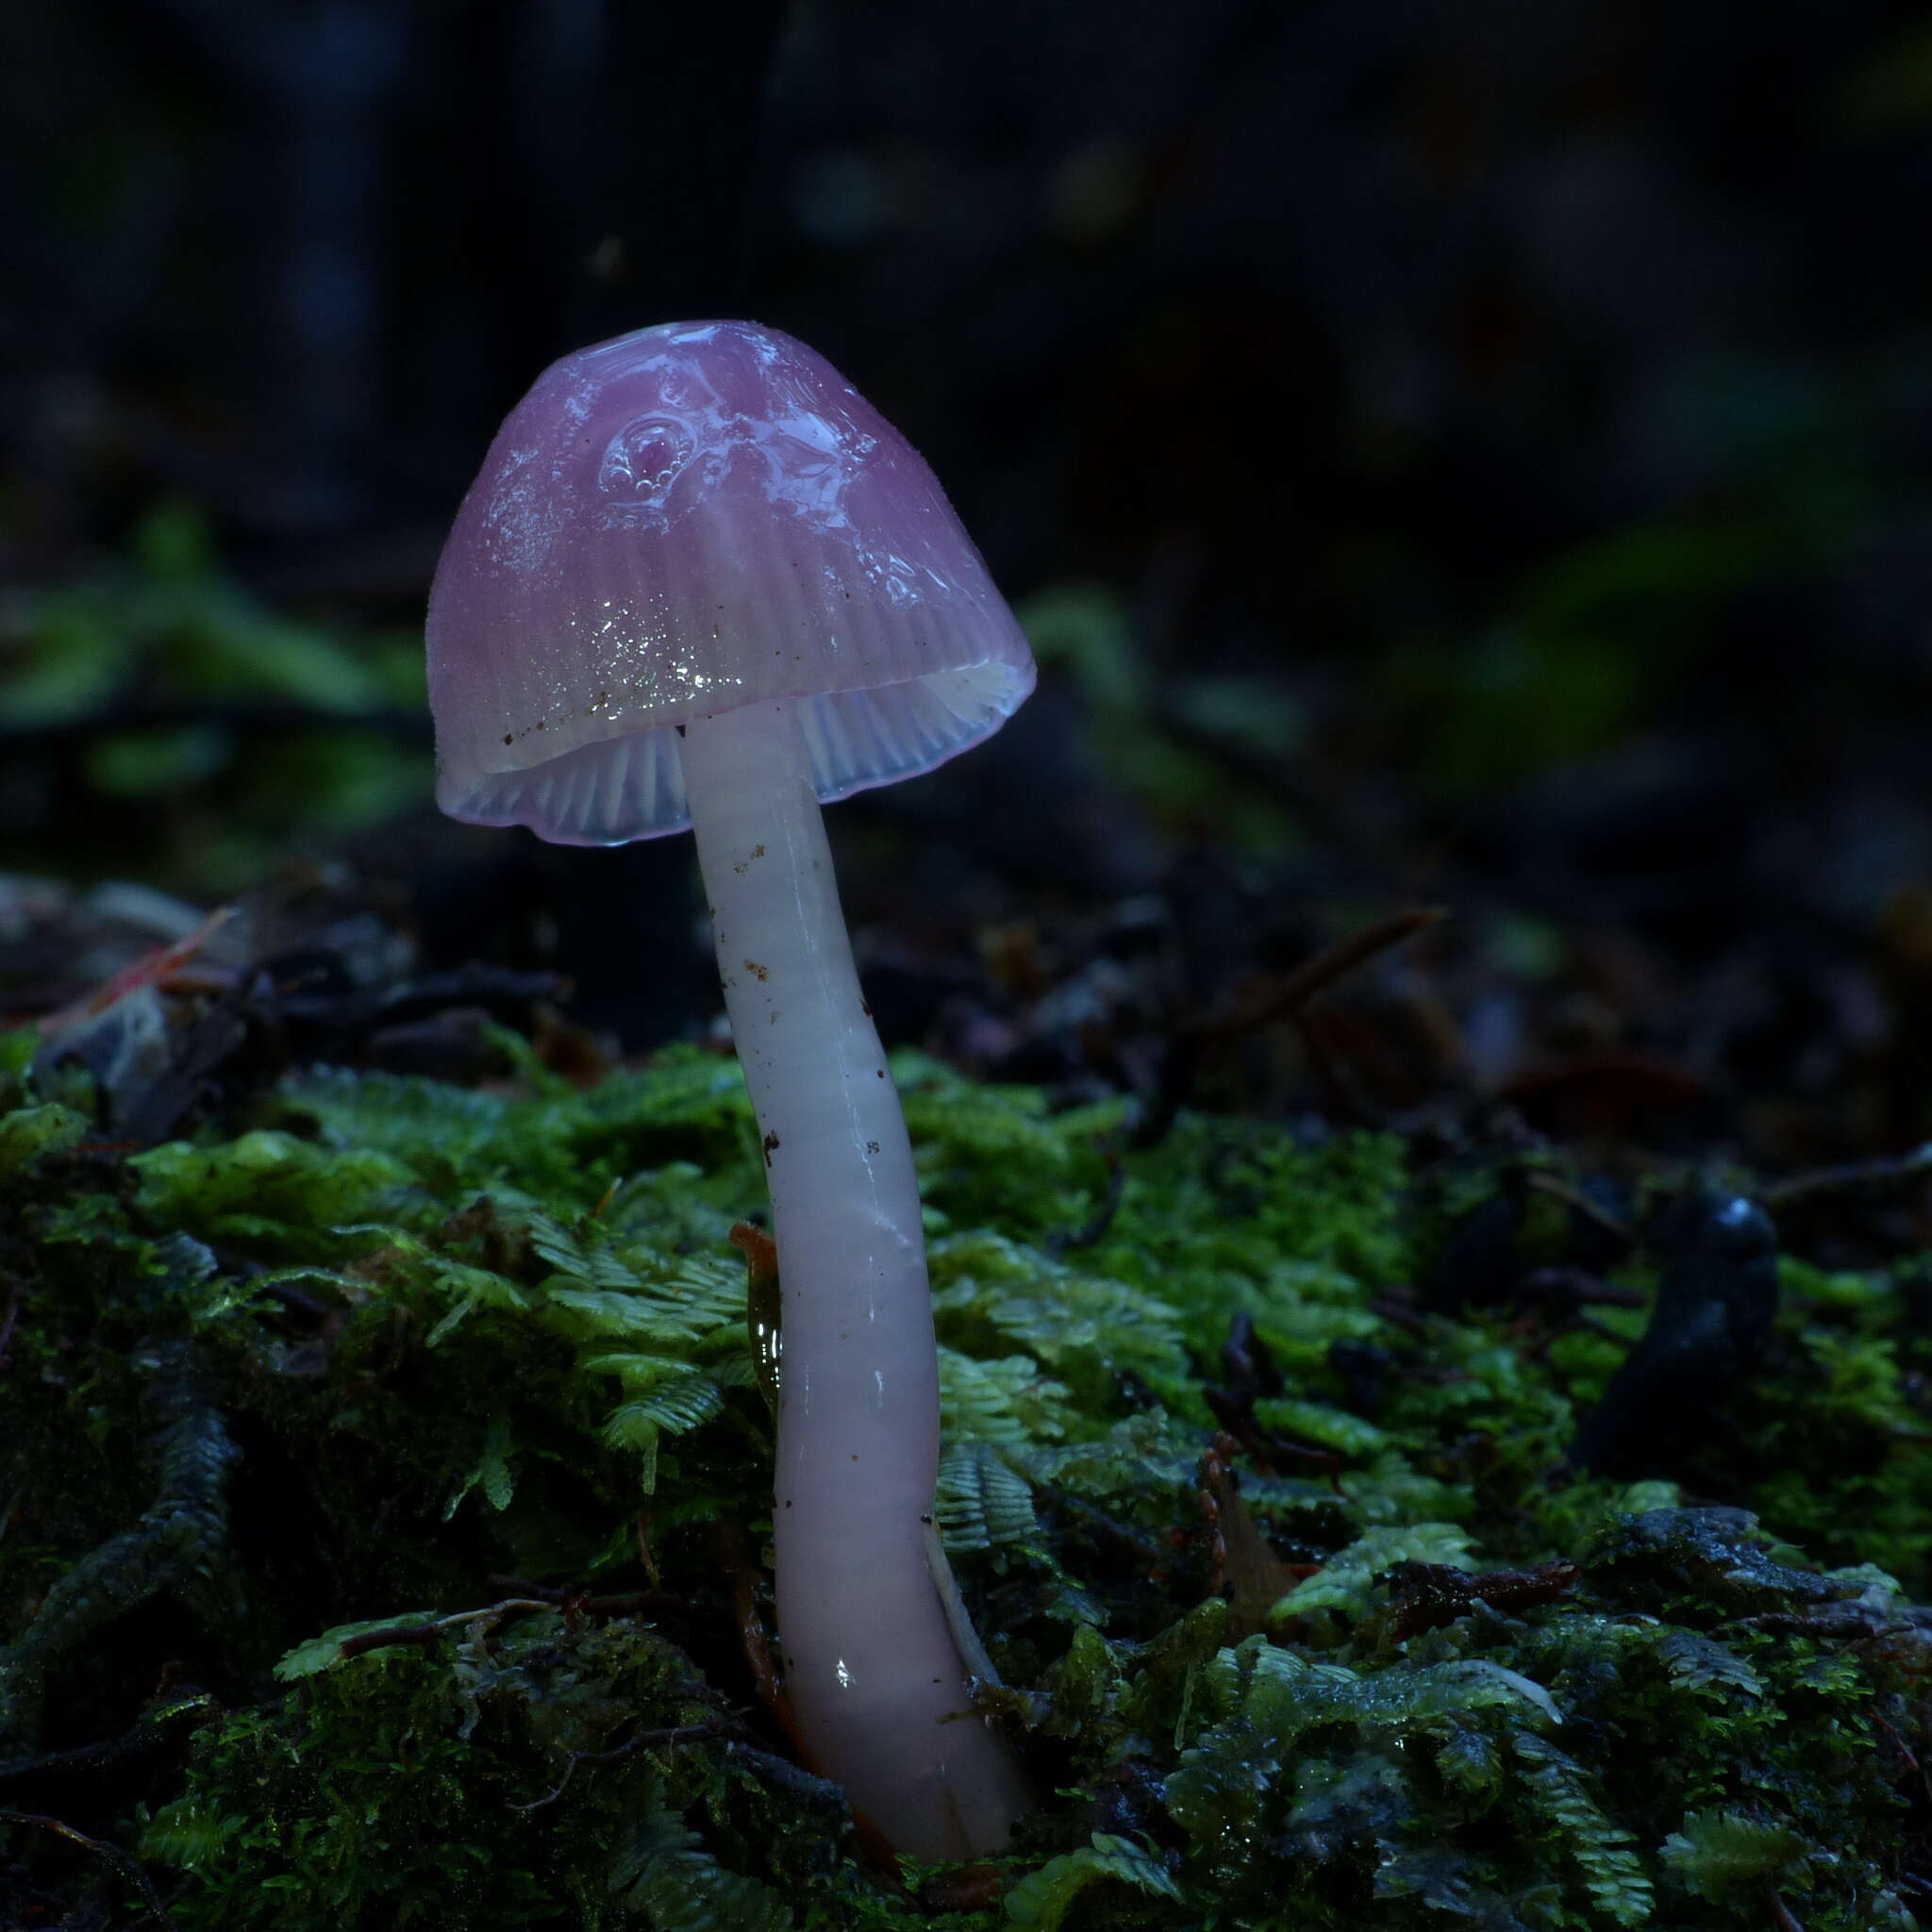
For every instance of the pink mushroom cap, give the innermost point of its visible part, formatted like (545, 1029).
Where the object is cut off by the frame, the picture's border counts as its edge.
(692, 518)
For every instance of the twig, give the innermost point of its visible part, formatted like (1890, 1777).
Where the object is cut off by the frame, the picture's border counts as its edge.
(642, 1740)
(145, 1738)
(640, 1531)
(1276, 999)
(535, 1596)
(1860, 1177)
(128, 1867)
(393, 1634)
(151, 969)
(1560, 1190)
(575, 1599)
(1905, 1751)
(1064, 1240)
(729, 1542)
(1145, 1547)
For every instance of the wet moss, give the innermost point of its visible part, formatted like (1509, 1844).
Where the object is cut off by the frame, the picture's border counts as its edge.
(388, 1354)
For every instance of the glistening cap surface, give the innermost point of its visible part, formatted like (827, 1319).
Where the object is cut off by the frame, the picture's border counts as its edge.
(691, 518)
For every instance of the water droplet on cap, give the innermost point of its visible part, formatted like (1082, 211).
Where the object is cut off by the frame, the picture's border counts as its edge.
(644, 457)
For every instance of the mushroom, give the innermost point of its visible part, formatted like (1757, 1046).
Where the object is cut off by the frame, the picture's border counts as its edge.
(701, 581)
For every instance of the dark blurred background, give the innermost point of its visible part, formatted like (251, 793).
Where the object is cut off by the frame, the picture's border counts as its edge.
(1479, 454)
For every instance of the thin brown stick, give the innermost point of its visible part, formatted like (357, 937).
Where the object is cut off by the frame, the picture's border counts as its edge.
(1861, 1178)
(729, 1542)
(393, 1635)
(145, 1739)
(535, 1596)
(1559, 1189)
(1280, 998)
(576, 1598)
(128, 1867)
(1064, 1240)
(664, 1737)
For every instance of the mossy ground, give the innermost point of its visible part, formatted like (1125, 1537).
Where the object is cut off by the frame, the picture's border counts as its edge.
(387, 1352)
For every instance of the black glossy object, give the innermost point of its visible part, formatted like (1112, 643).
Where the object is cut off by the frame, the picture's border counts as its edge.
(1716, 1302)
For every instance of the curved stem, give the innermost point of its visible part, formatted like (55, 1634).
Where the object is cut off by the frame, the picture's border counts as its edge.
(873, 1674)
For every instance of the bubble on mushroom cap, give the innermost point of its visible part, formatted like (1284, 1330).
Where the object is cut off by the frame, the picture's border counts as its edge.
(692, 517)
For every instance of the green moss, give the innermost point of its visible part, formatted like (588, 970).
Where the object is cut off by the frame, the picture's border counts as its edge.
(386, 1341)
(408, 1787)
(261, 734)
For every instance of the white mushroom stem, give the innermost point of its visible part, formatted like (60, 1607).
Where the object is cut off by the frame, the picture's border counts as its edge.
(871, 1668)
